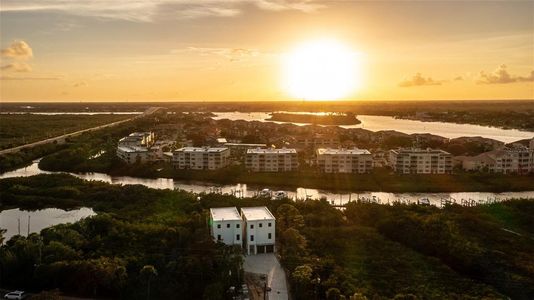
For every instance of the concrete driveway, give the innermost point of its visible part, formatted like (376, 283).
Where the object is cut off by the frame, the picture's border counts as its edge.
(276, 277)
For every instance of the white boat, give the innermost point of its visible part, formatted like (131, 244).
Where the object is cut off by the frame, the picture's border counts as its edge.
(265, 193)
(279, 195)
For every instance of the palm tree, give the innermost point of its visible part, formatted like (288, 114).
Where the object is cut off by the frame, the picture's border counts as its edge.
(148, 272)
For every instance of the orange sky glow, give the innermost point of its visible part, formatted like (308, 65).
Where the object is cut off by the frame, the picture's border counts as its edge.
(224, 50)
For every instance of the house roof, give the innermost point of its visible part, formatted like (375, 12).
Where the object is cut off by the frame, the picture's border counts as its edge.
(257, 213)
(330, 151)
(225, 214)
(272, 151)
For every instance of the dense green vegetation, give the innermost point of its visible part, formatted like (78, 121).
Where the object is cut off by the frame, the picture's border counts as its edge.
(112, 254)
(19, 129)
(328, 119)
(372, 251)
(25, 156)
(366, 251)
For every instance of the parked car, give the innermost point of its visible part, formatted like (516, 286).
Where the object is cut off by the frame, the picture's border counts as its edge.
(17, 295)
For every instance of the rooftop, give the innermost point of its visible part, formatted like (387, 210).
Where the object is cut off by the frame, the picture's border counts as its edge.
(244, 145)
(257, 213)
(419, 151)
(272, 151)
(224, 213)
(140, 134)
(132, 149)
(331, 151)
(202, 149)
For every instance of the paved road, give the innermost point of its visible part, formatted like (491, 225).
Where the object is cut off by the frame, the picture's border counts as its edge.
(61, 138)
(276, 277)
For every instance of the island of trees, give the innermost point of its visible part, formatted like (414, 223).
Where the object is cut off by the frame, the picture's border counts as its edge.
(318, 119)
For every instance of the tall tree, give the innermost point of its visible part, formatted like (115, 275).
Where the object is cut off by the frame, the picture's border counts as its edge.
(288, 216)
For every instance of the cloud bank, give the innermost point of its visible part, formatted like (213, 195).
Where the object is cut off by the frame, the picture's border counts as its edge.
(232, 54)
(419, 80)
(17, 50)
(16, 67)
(502, 76)
(149, 10)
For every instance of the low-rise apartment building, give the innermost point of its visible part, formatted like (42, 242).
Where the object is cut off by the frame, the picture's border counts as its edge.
(226, 226)
(420, 161)
(134, 154)
(145, 139)
(514, 159)
(238, 150)
(271, 160)
(318, 140)
(201, 158)
(344, 160)
(259, 230)
(134, 148)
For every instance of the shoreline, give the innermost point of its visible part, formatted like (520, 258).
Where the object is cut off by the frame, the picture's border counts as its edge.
(430, 120)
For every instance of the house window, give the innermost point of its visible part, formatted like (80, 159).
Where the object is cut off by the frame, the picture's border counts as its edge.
(269, 224)
(251, 226)
(237, 225)
(237, 237)
(219, 226)
(261, 225)
(252, 238)
(227, 225)
(218, 237)
(269, 236)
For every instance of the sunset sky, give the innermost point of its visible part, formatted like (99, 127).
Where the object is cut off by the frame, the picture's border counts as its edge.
(168, 50)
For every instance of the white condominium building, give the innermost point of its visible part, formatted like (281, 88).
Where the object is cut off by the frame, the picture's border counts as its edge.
(420, 161)
(145, 139)
(259, 230)
(271, 160)
(201, 158)
(134, 154)
(226, 225)
(319, 140)
(134, 148)
(516, 159)
(344, 160)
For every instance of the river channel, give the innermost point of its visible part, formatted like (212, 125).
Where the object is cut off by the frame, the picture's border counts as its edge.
(244, 190)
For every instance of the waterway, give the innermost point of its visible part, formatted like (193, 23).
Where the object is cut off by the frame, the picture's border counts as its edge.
(244, 190)
(378, 123)
(17, 221)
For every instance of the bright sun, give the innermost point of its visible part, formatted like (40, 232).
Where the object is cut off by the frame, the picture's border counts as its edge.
(321, 70)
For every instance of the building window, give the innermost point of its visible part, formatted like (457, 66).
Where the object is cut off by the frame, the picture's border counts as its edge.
(219, 226)
(227, 225)
(218, 237)
(269, 236)
(237, 237)
(251, 226)
(261, 224)
(252, 238)
(269, 224)
(237, 225)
